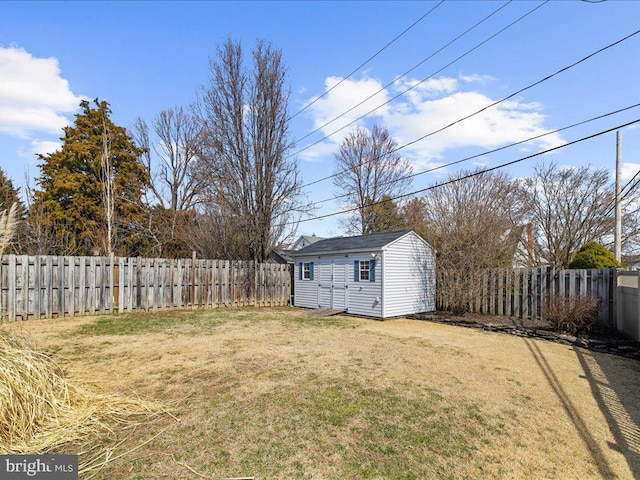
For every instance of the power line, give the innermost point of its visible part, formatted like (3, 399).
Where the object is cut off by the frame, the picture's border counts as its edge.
(528, 87)
(627, 193)
(399, 77)
(368, 60)
(464, 177)
(488, 152)
(423, 80)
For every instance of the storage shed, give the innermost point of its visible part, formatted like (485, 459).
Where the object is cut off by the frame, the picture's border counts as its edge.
(380, 275)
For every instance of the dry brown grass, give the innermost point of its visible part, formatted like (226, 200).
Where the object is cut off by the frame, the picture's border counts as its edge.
(8, 226)
(41, 411)
(273, 394)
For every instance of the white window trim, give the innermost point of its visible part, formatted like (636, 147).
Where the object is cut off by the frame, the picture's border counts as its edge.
(365, 270)
(306, 270)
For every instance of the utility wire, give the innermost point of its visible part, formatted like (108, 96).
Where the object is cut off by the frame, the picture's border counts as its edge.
(488, 152)
(399, 77)
(548, 77)
(626, 194)
(367, 60)
(464, 177)
(423, 80)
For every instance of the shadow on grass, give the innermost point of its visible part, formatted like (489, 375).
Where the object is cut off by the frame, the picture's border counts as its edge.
(604, 469)
(618, 401)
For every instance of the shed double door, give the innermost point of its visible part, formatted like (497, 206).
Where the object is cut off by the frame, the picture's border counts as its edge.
(332, 284)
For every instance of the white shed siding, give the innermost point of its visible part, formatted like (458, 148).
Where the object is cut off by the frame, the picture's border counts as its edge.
(409, 277)
(327, 289)
(364, 297)
(305, 291)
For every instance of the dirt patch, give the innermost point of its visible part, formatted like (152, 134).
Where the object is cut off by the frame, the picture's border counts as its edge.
(276, 394)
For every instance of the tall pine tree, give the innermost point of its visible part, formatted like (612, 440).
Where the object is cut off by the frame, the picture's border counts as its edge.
(8, 193)
(92, 186)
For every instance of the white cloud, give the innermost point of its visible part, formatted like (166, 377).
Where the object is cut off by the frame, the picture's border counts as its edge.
(430, 106)
(628, 171)
(429, 88)
(475, 78)
(316, 153)
(34, 97)
(44, 147)
(345, 96)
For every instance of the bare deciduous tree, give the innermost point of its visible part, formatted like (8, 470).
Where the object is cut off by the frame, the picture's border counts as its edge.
(246, 138)
(368, 170)
(172, 158)
(171, 154)
(108, 185)
(573, 206)
(474, 224)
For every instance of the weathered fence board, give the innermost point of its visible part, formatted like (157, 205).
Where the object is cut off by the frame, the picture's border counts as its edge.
(49, 286)
(522, 292)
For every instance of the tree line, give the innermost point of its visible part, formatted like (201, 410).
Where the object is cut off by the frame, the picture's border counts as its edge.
(214, 178)
(478, 219)
(218, 178)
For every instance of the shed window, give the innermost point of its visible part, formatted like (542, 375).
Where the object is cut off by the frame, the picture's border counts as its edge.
(364, 270)
(307, 271)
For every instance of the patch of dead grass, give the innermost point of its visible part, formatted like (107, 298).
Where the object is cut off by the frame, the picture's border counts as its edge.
(41, 411)
(265, 393)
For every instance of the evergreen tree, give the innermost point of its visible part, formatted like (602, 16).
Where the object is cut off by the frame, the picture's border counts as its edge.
(594, 255)
(8, 193)
(73, 181)
(382, 216)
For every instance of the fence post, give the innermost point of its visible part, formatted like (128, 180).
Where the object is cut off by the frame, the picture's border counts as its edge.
(618, 302)
(121, 285)
(611, 311)
(72, 286)
(111, 272)
(192, 291)
(37, 287)
(11, 287)
(24, 280)
(637, 319)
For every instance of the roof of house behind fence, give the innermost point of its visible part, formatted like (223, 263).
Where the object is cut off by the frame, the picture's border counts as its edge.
(342, 244)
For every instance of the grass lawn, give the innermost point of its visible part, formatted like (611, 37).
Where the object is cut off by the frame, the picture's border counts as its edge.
(274, 394)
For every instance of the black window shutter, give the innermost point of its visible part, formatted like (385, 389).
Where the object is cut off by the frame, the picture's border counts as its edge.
(311, 271)
(372, 271)
(356, 271)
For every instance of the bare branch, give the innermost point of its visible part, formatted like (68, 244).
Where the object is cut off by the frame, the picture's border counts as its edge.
(368, 171)
(246, 138)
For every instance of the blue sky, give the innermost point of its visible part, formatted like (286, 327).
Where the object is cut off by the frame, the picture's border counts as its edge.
(143, 57)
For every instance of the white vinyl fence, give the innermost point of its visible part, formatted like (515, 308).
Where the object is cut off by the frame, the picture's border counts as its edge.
(628, 303)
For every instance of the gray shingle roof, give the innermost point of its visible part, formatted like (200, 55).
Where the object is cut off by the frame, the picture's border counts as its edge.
(284, 255)
(374, 241)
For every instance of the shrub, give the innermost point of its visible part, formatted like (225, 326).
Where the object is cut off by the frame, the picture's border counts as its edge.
(571, 314)
(458, 289)
(594, 255)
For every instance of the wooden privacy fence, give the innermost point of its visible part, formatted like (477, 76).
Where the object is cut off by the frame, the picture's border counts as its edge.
(522, 292)
(50, 286)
